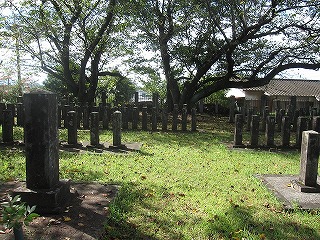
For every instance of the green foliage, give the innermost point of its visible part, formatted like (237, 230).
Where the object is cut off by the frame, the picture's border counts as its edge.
(16, 213)
(119, 89)
(218, 97)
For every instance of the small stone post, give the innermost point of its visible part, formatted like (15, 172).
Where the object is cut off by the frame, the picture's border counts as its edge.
(2, 107)
(302, 125)
(144, 118)
(65, 111)
(184, 118)
(238, 130)
(232, 103)
(20, 115)
(285, 132)
(105, 118)
(316, 123)
(94, 129)
(116, 128)
(43, 187)
(265, 114)
(7, 127)
(72, 129)
(308, 163)
(254, 131)
(270, 128)
(135, 118)
(249, 118)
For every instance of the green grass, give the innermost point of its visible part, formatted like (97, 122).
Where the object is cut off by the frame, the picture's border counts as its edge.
(186, 186)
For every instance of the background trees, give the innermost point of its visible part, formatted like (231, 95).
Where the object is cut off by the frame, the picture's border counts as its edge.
(207, 45)
(70, 40)
(194, 47)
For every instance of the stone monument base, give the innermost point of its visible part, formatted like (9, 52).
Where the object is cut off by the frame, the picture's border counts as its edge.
(297, 185)
(48, 201)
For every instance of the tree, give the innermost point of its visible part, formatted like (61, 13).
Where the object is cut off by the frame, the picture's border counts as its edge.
(70, 39)
(206, 46)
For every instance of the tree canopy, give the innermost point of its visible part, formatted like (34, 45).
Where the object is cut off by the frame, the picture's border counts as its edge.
(206, 46)
(200, 47)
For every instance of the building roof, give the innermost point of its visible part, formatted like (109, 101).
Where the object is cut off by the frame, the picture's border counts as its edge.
(290, 87)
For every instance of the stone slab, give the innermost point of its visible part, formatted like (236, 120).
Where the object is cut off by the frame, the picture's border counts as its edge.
(281, 187)
(48, 201)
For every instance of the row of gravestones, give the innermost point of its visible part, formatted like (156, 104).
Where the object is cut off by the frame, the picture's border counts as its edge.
(303, 124)
(71, 122)
(130, 114)
(292, 110)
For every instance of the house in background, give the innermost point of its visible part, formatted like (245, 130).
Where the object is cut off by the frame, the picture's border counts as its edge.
(279, 93)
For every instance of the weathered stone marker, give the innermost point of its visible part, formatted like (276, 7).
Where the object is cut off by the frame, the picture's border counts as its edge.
(308, 163)
(239, 120)
(94, 130)
(72, 129)
(7, 127)
(43, 187)
(184, 116)
(254, 131)
(285, 131)
(116, 128)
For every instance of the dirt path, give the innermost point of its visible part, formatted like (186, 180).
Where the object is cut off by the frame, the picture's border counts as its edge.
(83, 218)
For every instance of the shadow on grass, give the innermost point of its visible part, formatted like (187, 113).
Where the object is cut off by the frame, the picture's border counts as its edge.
(238, 223)
(154, 224)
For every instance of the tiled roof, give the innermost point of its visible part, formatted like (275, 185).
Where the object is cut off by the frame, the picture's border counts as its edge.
(290, 87)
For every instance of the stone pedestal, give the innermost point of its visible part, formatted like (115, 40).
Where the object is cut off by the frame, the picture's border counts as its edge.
(43, 187)
(308, 163)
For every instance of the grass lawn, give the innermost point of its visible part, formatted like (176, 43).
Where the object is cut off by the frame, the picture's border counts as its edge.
(185, 186)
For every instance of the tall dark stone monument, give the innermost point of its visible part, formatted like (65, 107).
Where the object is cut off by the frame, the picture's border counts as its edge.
(308, 163)
(43, 187)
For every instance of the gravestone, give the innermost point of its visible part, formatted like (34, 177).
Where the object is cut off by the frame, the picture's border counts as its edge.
(72, 129)
(316, 123)
(43, 187)
(285, 132)
(254, 131)
(249, 117)
(184, 118)
(7, 127)
(302, 125)
(135, 118)
(94, 130)
(270, 129)
(20, 115)
(232, 105)
(144, 118)
(310, 145)
(116, 129)
(2, 107)
(239, 121)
